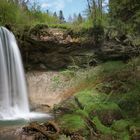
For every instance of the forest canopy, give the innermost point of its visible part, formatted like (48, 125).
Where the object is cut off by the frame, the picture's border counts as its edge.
(124, 14)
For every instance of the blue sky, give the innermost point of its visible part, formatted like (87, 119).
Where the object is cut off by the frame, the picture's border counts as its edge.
(69, 7)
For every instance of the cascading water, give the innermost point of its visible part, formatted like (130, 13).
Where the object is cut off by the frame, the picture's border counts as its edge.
(13, 92)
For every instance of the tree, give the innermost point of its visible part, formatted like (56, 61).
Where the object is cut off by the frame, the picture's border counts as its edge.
(88, 1)
(80, 18)
(95, 9)
(22, 3)
(55, 15)
(125, 13)
(74, 17)
(61, 16)
(70, 19)
(47, 11)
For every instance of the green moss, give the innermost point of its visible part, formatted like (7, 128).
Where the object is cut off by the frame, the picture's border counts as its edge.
(121, 135)
(110, 106)
(124, 135)
(103, 129)
(85, 96)
(106, 109)
(129, 102)
(111, 67)
(90, 96)
(82, 113)
(121, 125)
(72, 122)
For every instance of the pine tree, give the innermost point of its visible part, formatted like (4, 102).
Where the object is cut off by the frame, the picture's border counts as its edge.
(55, 15)
(74, 17)
(95, 9)
(80, 18)
(70, 19)
(61, 16)
(47, 11)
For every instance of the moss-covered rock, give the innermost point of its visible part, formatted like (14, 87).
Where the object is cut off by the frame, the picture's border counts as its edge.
(95, 104)
(121, 125)
(107, 112)
(66, 107)
(102, 128)
(72, 123)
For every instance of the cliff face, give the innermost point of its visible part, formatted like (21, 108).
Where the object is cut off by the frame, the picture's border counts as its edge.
(46, 48)
(51, 48)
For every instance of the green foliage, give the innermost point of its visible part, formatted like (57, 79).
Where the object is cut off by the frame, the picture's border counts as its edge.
(122, 128)
(17, 16)
(61, 17)
(80, 18)
(98, 32)
(102, 107)
(56, 82)
(127, 75)
(12, 14)
(61, 26)
(111, 67)
(103, 129)
(121, 125)
(72, 122)
(89, 96)
(130, 102)
(125, 14)
(82, 113)
(68, 73)
(96, 12)
(93, 101)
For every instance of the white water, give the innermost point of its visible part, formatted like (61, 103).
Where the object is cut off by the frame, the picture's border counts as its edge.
(13, 92)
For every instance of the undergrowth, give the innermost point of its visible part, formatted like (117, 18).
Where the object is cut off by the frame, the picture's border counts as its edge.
(110, 99)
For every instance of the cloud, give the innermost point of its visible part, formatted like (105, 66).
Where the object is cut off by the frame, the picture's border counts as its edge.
(55, 5)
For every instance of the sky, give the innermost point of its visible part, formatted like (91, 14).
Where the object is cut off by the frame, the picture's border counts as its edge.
(69, 7)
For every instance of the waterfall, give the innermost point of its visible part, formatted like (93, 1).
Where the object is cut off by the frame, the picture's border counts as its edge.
(13, 91)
